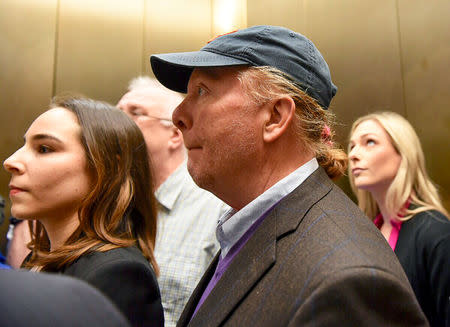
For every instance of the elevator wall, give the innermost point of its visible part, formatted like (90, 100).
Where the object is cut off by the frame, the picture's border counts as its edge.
(383, 55)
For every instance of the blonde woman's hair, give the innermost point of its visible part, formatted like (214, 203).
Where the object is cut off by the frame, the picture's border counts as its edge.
(313, 123)
(411, 181)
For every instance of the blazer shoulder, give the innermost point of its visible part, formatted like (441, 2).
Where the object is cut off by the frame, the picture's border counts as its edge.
(431, 220)
(335, 225)
(89, 263)
(360, 296)
(126, 278)
(427, 229)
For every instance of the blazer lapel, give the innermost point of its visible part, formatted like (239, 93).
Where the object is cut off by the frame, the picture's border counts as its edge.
(291, 210)
(256, 257)
(197, 293)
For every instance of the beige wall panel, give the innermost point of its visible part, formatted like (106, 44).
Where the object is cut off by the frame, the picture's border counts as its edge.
(228, 15)
(425, 35)
(175, 25)
(359, 40)
(27, 38)
(99, 46)
(287, 13)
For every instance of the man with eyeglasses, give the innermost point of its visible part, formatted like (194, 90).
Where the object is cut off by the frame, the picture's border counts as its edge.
(187, 216)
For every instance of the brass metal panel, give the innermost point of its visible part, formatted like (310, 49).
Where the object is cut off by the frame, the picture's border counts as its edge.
(175, 25)
(383, 55)
(27, 38)
(99, 47)
(228, 15)
(287, 13)
(425, 42)
(359, 40)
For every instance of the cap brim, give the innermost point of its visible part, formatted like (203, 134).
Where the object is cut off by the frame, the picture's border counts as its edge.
(173, 70)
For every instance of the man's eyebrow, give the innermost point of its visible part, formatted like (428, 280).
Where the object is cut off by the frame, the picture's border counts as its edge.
(37, 137)
(211, 73)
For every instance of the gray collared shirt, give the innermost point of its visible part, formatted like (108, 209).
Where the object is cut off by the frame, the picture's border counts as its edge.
(185, 240)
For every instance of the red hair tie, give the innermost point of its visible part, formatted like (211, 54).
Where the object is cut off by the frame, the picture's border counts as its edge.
(326, 135)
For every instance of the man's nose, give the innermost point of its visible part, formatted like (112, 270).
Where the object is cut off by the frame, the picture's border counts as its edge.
(180, 117)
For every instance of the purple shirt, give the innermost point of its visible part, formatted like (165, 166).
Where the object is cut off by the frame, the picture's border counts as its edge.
(223, 264)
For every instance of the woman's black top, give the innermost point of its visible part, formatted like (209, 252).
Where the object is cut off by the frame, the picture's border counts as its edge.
(423, 249)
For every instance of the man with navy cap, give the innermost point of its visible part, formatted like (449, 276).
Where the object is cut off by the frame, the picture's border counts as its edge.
(295, 250)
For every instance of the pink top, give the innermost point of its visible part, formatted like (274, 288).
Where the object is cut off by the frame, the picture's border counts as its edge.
(396, 226)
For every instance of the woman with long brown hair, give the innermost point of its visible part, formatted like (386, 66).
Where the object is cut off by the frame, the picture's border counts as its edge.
(83, 174)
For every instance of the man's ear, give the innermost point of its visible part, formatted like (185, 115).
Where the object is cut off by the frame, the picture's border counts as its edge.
(279, 117)
(175, 139)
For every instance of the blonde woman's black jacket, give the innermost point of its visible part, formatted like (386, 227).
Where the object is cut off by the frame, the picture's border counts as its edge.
(423, 249)
(126, 278)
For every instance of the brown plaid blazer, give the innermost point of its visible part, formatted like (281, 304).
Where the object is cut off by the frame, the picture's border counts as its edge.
(316, 260)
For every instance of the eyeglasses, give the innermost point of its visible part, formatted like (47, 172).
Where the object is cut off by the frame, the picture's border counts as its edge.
(154, 117)
(159, 118)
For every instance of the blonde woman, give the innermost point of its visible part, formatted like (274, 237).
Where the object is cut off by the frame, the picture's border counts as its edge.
(387, 174)
(83, 174)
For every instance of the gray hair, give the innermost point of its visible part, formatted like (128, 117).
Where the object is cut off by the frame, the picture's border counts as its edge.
(143, 83)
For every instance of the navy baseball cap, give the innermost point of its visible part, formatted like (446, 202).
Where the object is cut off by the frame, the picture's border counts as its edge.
(274, 46)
